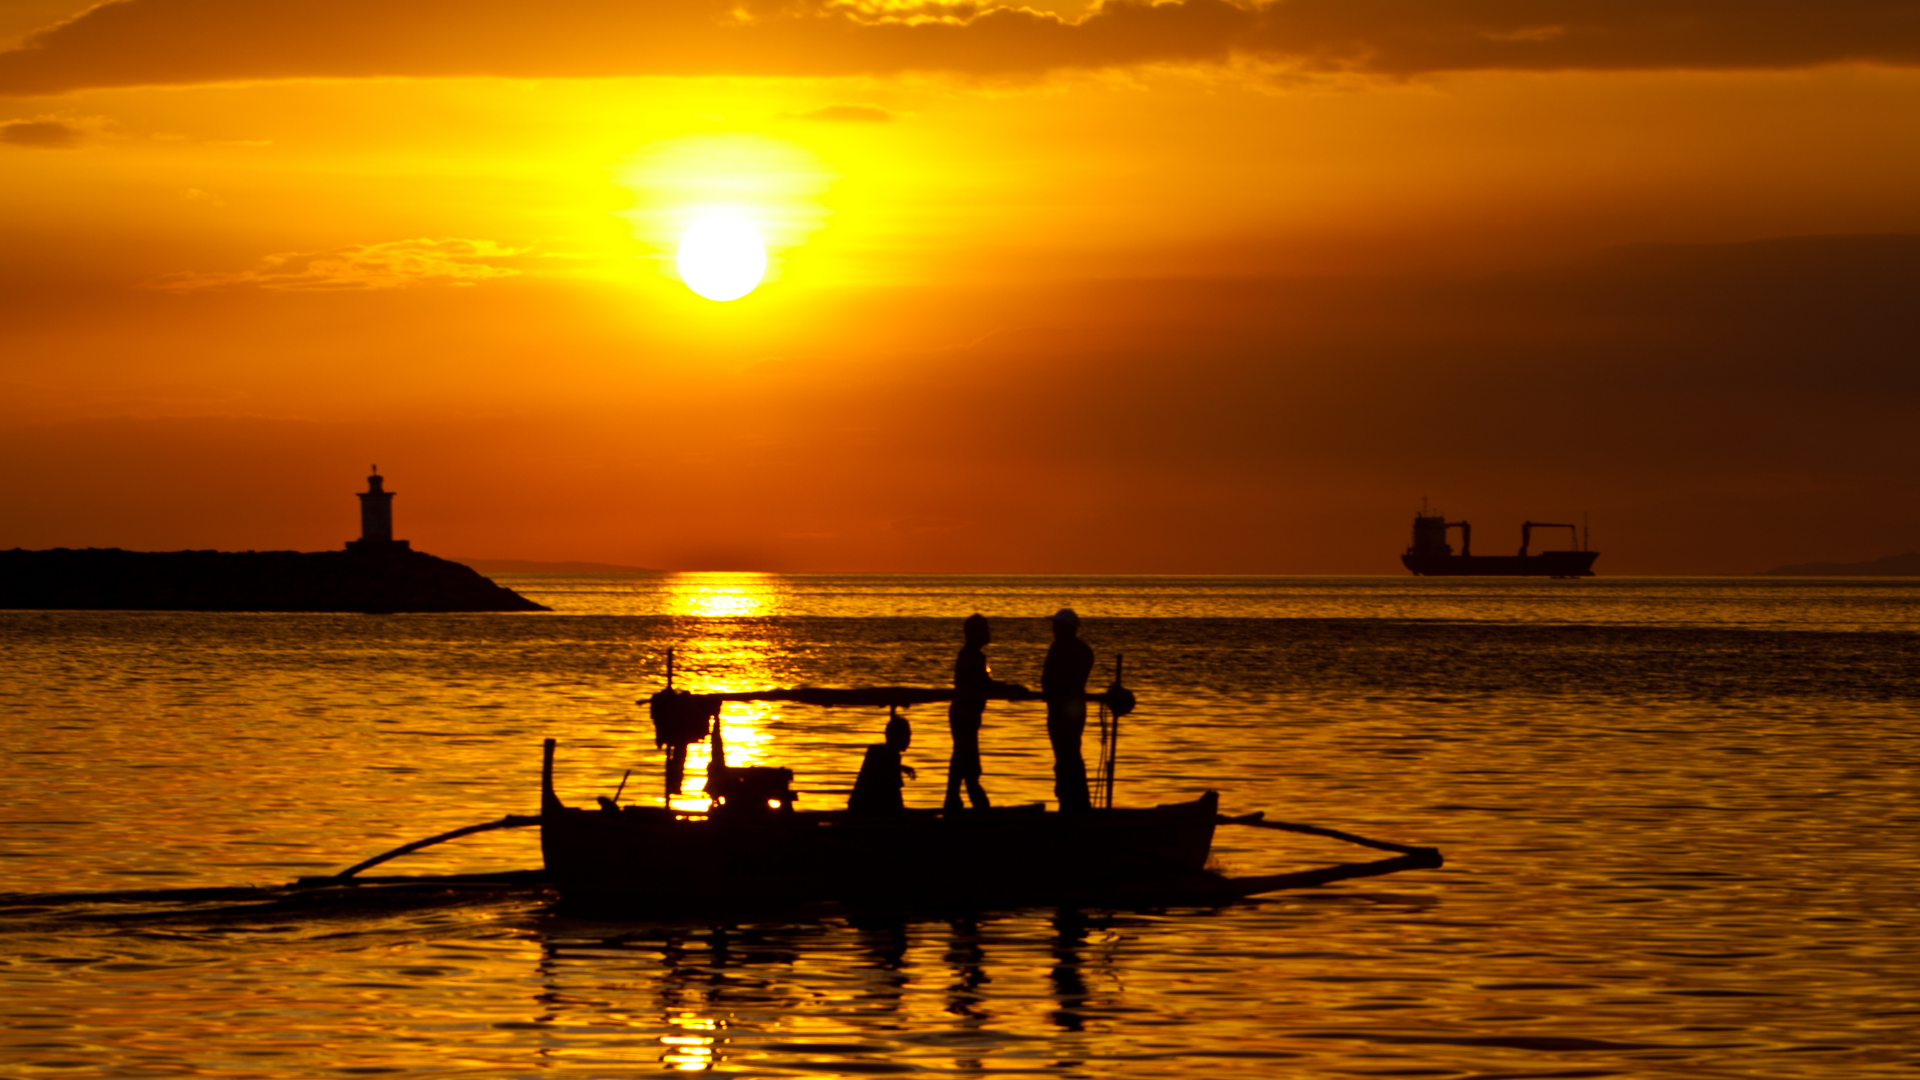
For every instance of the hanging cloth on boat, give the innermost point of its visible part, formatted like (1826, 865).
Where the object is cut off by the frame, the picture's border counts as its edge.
(680, 719)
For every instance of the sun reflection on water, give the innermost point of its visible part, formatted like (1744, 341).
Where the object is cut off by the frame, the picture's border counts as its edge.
(720, 595)
(710, 665)
(744, 733)
(691, 1051)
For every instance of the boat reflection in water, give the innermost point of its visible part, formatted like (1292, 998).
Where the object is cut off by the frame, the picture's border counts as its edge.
(829, 995)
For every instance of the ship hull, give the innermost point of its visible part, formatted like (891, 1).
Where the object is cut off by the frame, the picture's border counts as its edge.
(1560, 564)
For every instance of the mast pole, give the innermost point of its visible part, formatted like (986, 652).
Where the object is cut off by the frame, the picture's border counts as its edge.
(1113, 733)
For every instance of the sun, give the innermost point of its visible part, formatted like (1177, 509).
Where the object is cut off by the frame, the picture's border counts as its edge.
(721, 257)
(723, 213)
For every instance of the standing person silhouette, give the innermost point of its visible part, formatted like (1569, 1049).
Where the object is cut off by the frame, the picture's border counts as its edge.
(1063, 682)
(972, 682)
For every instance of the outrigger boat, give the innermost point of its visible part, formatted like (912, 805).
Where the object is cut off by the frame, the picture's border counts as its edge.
(753, 846)
(752, 849)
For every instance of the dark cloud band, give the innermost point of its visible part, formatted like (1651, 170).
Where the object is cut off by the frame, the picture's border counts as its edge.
(171, 42)
(40, 134)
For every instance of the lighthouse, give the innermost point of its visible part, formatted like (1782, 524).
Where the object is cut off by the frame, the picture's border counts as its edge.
(376, 519)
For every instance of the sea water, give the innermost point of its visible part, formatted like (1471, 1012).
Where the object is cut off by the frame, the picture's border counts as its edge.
(1680, 821)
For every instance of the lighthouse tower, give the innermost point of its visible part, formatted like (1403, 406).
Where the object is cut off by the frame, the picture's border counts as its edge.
(376, 519)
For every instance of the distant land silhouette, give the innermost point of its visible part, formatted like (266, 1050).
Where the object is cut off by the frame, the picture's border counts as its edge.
(523, 566)
(110, 579)
(1907, 565)
(375, 574)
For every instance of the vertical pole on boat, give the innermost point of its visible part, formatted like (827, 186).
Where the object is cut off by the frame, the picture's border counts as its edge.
(549, 802)
(1097, 783)
(1113, 733)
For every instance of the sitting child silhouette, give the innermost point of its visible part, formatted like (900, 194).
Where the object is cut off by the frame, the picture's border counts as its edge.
(877, 790)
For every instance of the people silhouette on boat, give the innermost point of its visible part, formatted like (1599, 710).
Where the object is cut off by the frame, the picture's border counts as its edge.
(1063, 682)
(877, 789)
(972, 681)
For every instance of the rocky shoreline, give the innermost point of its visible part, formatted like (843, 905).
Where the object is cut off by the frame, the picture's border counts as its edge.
(381, 581)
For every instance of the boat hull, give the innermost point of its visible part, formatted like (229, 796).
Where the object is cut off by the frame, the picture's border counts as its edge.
(1560, 564)
(648, 857)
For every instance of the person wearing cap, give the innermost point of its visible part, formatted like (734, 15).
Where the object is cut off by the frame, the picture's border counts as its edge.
(972, 682)
(1063, 682)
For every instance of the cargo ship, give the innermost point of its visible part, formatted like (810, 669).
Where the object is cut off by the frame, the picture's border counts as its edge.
(1430, 555)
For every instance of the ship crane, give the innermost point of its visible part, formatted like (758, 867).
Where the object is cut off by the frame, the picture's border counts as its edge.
(1526, 533)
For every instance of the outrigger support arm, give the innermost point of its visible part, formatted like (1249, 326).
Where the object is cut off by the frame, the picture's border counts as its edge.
(1410, 858)
(511, 821)
(1327, 875)
(548, 801)
(1258, 819)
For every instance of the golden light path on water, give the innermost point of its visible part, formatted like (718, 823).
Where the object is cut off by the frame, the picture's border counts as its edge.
(720, 595)
(719, 666)
(694, 1051)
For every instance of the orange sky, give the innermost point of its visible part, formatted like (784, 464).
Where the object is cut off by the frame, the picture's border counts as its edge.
(1187, 287)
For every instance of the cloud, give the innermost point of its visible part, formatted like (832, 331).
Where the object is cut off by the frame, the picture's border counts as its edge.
(397, 264)
(40, 134)
(168, 42)
(853, 114)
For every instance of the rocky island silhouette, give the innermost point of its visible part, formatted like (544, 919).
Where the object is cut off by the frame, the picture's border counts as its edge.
(375, 574)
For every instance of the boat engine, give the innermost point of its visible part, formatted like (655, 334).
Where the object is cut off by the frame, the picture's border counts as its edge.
(749, 788)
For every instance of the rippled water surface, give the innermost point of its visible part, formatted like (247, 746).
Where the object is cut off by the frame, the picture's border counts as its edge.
(1680, 821)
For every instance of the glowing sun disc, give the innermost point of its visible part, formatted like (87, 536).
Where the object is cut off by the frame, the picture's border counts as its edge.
(722, 258)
